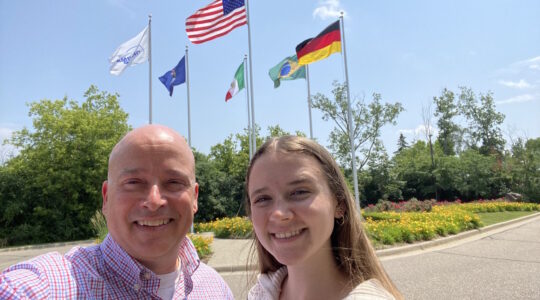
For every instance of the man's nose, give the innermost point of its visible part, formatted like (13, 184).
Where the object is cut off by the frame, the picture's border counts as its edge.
(154, 200)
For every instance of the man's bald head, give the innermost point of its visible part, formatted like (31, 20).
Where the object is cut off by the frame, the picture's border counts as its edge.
(150, 196)
(149, 135)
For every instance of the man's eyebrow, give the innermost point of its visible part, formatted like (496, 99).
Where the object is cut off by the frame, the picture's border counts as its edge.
(130, 171)
(177, 173)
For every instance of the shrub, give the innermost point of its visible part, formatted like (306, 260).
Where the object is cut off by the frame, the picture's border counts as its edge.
(235, 228)
(99, 226)
(202, 244)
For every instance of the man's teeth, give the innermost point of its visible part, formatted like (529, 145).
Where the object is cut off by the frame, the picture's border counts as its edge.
(285, 235)
(153, 223)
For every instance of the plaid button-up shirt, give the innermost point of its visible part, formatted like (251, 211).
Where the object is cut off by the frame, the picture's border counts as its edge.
(106, 271)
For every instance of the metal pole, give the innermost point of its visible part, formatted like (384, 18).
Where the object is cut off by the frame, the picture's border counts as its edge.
(349, 127)
(188, 106)
(309, 103)
(253, 128)
(150, 68)
(248, 113)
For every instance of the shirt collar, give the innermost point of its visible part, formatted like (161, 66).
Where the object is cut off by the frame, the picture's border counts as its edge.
(121, 262)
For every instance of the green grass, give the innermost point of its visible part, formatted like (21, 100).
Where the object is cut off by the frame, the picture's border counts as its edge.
(490, 218)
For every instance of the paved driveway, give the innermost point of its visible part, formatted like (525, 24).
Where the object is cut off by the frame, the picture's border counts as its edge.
(504, 265)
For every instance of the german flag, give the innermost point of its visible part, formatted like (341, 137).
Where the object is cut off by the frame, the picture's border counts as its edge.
(321, 46)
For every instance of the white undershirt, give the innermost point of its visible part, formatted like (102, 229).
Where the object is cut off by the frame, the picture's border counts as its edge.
(167, 282)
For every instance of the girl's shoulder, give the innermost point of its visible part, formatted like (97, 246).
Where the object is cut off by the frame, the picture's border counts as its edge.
(268, 286)
(369, 290)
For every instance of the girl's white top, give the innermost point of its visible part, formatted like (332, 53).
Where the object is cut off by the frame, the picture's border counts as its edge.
(268, 287)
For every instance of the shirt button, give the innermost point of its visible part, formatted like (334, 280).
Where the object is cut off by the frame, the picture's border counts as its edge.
(136, 287)
(147, 275)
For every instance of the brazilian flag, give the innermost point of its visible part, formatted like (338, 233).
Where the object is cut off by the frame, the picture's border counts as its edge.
(287, 69)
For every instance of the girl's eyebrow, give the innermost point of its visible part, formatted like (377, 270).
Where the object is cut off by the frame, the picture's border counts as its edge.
(259, 190)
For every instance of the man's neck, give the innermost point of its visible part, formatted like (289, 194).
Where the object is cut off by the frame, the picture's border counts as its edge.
(163, 266)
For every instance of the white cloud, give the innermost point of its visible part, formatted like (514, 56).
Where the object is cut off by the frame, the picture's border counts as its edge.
(328, 9)
(532, 63)
(518, 99)
(6, 151)
(519, 85)
(123, 5)
(523, 67)
(534, 67)
(5, 133)
(419, 132)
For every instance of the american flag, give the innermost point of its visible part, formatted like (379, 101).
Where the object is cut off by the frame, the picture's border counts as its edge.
(216, 19)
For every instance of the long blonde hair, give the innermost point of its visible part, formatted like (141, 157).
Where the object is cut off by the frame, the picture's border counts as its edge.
(354, 254)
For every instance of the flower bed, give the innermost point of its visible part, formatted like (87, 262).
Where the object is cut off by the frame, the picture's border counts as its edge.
(392, 227)
(233, 228)
(404, 222)
(496, 205)
(202, 244)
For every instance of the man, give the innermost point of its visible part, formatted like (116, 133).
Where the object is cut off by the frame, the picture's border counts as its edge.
(149, 200)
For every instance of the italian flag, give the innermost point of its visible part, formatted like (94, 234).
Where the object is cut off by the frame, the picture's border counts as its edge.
(237, 84)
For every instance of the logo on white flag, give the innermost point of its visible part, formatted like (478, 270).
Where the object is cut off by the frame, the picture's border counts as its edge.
(130, 53)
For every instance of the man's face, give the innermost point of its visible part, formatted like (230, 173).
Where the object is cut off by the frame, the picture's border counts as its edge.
(150, 197)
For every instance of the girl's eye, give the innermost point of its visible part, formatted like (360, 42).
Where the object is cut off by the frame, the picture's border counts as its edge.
(299, 193)
(261, 199)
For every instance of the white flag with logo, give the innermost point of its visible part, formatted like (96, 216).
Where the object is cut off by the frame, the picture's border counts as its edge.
(132, 52)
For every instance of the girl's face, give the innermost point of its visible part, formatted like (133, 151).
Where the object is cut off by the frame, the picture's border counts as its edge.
(292, 208)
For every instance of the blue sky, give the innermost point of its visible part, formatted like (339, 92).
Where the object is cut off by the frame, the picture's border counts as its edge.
(407, 51)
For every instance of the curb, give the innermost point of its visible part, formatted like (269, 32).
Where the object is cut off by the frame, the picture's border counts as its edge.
(230, 269)
(408, 248)
(50, 245)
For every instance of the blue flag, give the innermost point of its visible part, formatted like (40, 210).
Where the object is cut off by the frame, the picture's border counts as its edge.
(175, 76)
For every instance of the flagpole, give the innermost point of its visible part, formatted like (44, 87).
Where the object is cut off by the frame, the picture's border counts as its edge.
(349, 123)
(253, 128)
(188, 103)
(309, 103)
(150, 69)
(248, 113)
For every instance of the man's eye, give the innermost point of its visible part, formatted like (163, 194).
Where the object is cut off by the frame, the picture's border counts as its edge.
(133, 181)
(177, 184)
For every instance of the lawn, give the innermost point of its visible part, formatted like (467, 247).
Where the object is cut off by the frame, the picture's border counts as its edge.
(489, 218)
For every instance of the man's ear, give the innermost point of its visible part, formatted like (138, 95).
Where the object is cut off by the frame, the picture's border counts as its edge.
(104, 189)
(195, 198)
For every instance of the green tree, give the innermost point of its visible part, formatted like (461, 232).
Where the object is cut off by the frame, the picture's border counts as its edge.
(368, 120)
(480, 176)
(524, 168)
(402, 143)
(413, 167)
(379, 180)
(53, 186)
(446, 109)
(221, 175)
(484, 121)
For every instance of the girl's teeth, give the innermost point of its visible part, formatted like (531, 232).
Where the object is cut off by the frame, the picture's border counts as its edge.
(285, 235)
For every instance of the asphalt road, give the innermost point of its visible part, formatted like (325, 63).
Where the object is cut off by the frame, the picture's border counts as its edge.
(503, 265)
